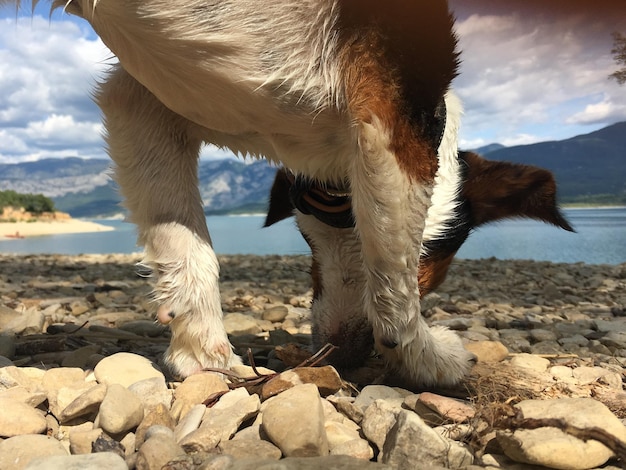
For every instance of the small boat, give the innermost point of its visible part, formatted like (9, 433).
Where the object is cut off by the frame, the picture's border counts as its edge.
(15, 235)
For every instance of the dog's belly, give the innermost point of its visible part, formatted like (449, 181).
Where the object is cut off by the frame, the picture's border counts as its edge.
(242, 72)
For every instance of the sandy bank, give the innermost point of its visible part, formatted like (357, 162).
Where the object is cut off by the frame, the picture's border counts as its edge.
(9, 230)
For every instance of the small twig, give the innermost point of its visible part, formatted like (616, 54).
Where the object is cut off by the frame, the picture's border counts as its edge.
(319, 356)
(617, 446)
(78, 328)
(252, 363)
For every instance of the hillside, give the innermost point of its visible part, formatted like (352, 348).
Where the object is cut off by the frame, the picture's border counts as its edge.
(589, 168)
(84, 188)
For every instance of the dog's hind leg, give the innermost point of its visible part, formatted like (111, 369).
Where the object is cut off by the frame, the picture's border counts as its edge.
(156, 155)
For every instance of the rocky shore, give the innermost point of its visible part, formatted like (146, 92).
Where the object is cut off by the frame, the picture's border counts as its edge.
(82, 384)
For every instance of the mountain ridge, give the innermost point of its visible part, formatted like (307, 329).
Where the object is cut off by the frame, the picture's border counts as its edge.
(589, 168)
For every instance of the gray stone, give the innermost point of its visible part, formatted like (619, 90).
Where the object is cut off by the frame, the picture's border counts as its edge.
(334, 462)
(411, 440)
(157, 451)
(97, 461)
(7, 346)
(152, 392)
(378, 419)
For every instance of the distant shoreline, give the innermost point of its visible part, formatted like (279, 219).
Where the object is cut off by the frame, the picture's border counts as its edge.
(18, 230)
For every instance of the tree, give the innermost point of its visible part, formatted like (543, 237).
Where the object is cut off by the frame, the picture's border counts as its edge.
(619, 55)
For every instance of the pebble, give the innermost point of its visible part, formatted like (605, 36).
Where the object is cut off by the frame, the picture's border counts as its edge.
(540, 330)
(552, 447)
(98, 461)
(18, 418)
(125, 369)
(294, 421)
(120, 410)
(17, 452)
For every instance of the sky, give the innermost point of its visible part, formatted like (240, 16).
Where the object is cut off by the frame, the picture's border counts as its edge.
(531, 71)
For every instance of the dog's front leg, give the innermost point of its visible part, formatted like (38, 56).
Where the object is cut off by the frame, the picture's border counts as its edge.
(155, 153)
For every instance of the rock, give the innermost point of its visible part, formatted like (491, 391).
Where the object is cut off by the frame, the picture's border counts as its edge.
(152, 392)
(378, 419)
(195, 390)
(334, 462)
(530, 363)
(370, 393)
(250, 448)
(190, 422)
(17, 452)
(325, 378)
(86, 403)
(120, 411)
(125, 369)
(553, 448)
(55, 379)
(80, 357)
(294, 421)
(96, 461)
(5, 361)
(488, 351)
(203, 439)
(411, 440)
(237, 324)
(156, 415)
(157, 451)
(81, 442)
(19, 393)
(346, 440)
(275, 314)
(29, 322)
(7, 345)
(144, 328)
(18, 418)
(230, 411)
(446, 409)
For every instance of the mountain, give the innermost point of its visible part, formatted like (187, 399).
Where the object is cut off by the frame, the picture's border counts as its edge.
(589, 168)
(84, 188)
(485, 149)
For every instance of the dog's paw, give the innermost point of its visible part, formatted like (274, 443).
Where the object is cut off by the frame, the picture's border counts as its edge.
(435, 358)
(196, 345)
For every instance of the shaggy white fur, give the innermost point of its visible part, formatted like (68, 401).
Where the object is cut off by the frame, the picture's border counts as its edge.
(269, 78)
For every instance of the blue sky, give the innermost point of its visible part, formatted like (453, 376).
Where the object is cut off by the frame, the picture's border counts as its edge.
(527, 75)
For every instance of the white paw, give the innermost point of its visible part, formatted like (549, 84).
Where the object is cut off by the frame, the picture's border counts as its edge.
(435, 358)
(196, 345)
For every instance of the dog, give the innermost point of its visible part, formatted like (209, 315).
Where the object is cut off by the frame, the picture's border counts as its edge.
(490, 191)
(355, 94)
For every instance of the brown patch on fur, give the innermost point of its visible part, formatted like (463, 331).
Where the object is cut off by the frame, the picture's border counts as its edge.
(400, 60)
(433, 271)
(500, 190)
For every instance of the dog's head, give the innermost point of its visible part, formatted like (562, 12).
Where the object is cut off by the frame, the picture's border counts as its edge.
(490, 191)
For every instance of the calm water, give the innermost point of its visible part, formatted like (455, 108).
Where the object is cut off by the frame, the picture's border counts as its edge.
(600, 238)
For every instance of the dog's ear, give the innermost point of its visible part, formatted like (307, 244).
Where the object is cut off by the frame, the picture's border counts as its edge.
(500, 190)
(280, 206)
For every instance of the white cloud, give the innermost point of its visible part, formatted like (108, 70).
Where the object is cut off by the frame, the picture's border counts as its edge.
(527, 77)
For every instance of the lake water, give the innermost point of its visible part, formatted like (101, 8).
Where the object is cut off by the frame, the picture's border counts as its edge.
(600, 238)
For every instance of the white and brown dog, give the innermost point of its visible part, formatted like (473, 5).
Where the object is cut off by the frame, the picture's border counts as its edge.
(352, 93)
(489, 191)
